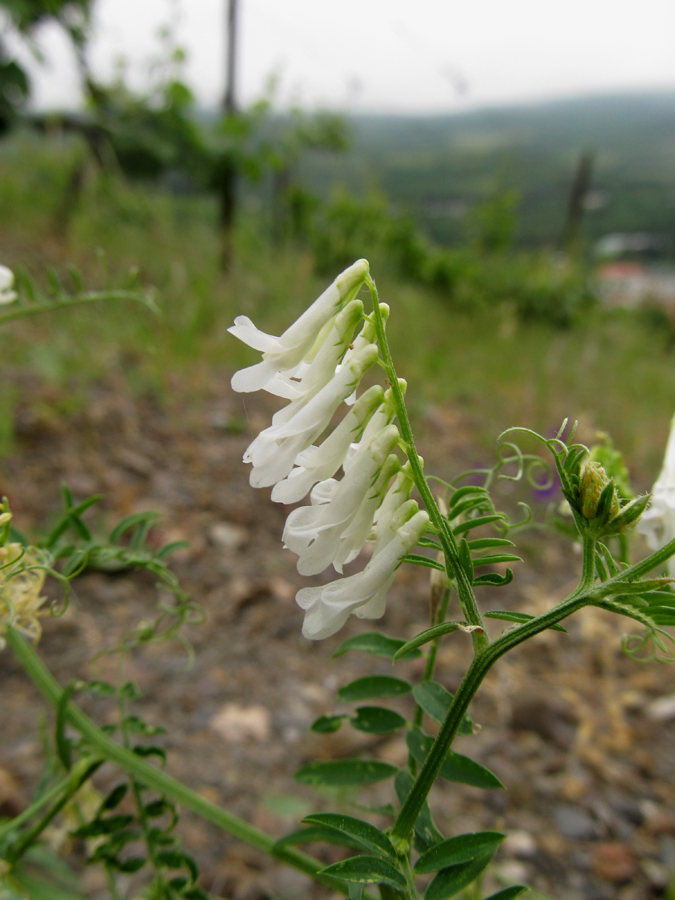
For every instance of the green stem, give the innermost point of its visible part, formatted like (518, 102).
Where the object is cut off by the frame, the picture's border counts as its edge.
(155, 778)
(79, 775)
(35, 807)
(430, 666)
(91, 297)
(467, 598)
(481, 665)
(112, 883)
(411, 890)
(138, 796)
(588, 570)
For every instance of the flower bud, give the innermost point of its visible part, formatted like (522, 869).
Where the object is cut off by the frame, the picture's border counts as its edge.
(594, 480)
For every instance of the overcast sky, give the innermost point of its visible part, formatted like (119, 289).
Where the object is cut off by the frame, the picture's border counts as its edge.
(389, 55)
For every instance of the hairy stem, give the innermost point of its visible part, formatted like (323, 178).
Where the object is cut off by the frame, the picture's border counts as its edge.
(467, 598)
(481, 665)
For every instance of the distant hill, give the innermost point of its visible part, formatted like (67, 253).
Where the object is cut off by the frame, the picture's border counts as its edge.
(436, 167)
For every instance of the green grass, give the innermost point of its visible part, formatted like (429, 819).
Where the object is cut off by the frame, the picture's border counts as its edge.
(615, 371)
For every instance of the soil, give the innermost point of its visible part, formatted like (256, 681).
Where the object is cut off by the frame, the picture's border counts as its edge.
(579, 734)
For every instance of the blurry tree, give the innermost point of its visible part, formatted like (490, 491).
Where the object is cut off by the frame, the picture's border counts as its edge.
(158, 134)
(292, 204)
(491, 225)
(23, 17)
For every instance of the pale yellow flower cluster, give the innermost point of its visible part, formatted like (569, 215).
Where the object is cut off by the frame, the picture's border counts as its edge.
(21, 580)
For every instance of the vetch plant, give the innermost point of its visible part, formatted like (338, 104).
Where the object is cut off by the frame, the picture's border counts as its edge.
(352, 453)
(325, 354)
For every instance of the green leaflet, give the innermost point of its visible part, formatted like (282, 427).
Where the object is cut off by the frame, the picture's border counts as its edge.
(509, 893)
(456, 767)
(365, 834)
(376, 643)
(435, 701)
(345, 772)
(424, 637)
(315, 834)
(366, 870)
(456, 850)
(374, 686)
(327, 724)
(377, 720)
(449, 882)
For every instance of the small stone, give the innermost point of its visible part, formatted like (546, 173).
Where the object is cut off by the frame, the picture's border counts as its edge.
(657, 874)
(661, 710)
(575, 823)
(237, 724)
(512, 871)
(520, 844)
(614, 862)
(227, 535)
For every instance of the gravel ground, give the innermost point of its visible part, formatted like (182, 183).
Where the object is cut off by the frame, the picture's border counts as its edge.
(579, 734)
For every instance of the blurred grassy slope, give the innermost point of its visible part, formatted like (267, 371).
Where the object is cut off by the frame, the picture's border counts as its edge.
(616, 370)
(435, 166)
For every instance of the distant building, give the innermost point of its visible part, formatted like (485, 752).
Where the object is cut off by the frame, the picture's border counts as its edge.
(635, 270)
(631, 283)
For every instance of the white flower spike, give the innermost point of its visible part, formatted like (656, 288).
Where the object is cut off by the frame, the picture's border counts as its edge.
(319, 463)
(299, 424)
(7, 295)
(284, 354)
(658, 521)
(317, 364)
(315, 532)
(328, 607)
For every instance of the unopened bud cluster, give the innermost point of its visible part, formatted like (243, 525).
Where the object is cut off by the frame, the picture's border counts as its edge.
(599, 506)
(22, 577)
(317, 365)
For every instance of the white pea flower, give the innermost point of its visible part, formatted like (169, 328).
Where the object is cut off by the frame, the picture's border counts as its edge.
(294, 428)
(314, 532)
(355, 536)
(329, 349)
(319, 463)
(658, 521)
(285, 353)
(7, 295)
(397, 496)
(383, 416)
(328, 607)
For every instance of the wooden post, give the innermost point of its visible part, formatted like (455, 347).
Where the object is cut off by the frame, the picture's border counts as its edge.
(228, 173)
(575, 208)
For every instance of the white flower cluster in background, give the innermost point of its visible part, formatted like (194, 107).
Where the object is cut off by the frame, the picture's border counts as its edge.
(7, 295)
(317, 365)
(658, 521)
